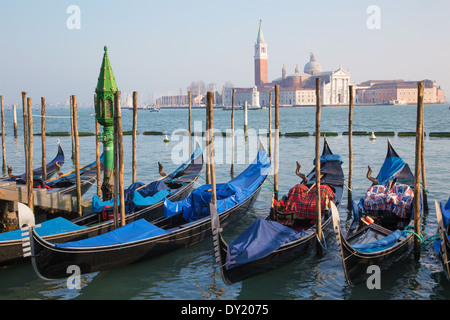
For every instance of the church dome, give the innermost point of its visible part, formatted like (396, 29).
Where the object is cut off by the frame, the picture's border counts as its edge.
(312, 66)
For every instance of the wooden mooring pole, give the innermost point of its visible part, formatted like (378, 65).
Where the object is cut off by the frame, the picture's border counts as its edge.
(350, 149)
(190, 122)
(30, 156)
(318, 200)
(210, 137)
(71, 126)
(426, 209)
(208, 141)
(134, 143)
(3, 136)
(25, 127)
(246, 120)
(15, 120)
(97, 154)
(419, 133)
(76, 153)
(44, 145)
(277, 141)
(270, 124)
(232, 134)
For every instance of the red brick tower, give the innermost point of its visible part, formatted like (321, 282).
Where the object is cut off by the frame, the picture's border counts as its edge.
(261, 74)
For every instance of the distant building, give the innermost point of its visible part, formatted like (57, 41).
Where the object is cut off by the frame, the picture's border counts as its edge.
(396, 92)
(297, 89)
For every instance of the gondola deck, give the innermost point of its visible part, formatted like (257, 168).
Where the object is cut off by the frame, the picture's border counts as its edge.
(141, 240)
(89, 225)
(383, 241)
(291, 246)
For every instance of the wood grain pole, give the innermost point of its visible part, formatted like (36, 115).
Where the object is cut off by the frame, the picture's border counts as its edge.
(43, 141)
(76, 153)
(318, 200)
(97, 154)
(246, 120)
(232, 134)
(270, 124)
(3, 136)
(120, 160)
(426, 209)
(419, 133)
(277, 141)
(350, 150)
(190, 122)
(25, 127)
(210, 137)
(115, 169)
(15, 120)
(30, 156)
(134, 143)
(208, 141)
(71, 127)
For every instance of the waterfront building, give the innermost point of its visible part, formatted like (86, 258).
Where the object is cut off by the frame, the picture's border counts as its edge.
(297, 89)
(396, 92)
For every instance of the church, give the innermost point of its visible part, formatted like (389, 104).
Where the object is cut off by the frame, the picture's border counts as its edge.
(297, 89)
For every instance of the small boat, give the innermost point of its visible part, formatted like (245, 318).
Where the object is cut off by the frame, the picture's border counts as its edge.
(380, 233)
(51, 167)
(66, 183)
(147, 204)
(185, 223)
(442, 245)
(283, 236)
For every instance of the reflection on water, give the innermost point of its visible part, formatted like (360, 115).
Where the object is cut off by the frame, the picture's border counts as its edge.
(191, 273)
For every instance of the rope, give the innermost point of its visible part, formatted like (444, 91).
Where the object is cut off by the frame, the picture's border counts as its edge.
(270, 188)
(424, 242)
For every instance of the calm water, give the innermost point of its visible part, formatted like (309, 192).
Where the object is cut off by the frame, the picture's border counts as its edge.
(191, 273)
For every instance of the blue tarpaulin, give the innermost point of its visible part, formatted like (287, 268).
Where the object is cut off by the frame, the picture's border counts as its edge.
(446, 219)
(379, 245)
(390, 169)
(228, 194)
(134, 231)
(260, 239)
(49, 227)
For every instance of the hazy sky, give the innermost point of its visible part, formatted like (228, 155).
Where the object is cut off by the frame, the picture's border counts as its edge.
(161, 46)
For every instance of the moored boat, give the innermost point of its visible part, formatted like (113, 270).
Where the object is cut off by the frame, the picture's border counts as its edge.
(288, 232)
(149, 206)
(442, 245)
(380, 232)
(185, 223)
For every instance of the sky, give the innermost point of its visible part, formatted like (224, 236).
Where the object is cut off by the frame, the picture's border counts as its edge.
(160, 47)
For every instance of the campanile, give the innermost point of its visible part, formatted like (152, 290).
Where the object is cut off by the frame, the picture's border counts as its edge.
(261, 74)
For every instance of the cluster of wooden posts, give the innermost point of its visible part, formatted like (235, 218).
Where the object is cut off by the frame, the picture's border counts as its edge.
(119, 211)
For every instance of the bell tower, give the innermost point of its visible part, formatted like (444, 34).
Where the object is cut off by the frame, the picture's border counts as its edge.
(261, 74)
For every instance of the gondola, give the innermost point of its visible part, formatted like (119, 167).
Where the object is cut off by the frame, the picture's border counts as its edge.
(282, 236)
(442, 245)
(380, 233)
(66, 183)
(51, 167)
(59, 229)
(185, 223)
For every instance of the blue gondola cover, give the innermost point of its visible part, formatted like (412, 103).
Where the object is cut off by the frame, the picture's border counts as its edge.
(134, 231)
(260, 239)
(228, 194)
